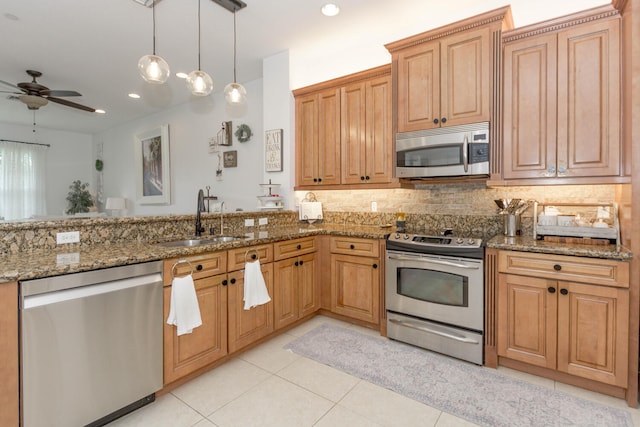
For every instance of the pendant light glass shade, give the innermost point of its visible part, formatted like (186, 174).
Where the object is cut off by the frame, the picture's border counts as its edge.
(199, 83)
(153, 68)
(235, 93)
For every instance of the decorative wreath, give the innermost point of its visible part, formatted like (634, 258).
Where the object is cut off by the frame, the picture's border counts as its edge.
(243, 133)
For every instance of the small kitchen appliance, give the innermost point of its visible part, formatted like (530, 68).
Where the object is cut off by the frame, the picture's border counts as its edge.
(435, 293)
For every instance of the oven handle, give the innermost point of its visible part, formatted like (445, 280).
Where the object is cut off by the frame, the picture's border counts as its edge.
(433, 261)
(452, 336)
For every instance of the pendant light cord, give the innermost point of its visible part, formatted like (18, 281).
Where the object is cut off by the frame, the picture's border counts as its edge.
(153, 14)
(199, 1)
(235, 80)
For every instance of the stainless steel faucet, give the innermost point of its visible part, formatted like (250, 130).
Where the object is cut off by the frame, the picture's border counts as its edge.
(222, 218)
(199, 208)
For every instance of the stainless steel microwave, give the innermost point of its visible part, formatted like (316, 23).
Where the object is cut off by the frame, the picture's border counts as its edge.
(451, 151)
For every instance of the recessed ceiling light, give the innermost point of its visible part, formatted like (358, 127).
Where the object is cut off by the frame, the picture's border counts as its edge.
(100, 111)
(134, 96)
(330, 9)
(182, 75)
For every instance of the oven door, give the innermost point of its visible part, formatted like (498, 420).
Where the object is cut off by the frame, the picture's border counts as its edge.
(443, 289)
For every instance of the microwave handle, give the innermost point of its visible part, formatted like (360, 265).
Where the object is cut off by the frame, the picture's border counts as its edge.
(465, 152)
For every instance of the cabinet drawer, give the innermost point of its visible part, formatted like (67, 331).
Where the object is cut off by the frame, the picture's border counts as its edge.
(295, 247)
(238, 257)
(561, 267)
(355, 246)
(204, 265)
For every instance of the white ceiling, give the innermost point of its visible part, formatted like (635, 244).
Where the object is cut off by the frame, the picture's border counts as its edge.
(93, 46)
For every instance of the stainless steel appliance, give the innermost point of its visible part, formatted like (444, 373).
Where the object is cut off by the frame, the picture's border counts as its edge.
(450, 151)
(435, 293)
(91, 345)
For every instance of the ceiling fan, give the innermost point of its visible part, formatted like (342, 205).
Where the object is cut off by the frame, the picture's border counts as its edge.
(35, 95)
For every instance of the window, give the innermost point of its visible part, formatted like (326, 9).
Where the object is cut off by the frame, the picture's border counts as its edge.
(22, 180)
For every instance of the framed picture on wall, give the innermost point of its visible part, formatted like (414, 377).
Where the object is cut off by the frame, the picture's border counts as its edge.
(153, 176)
(273, 150)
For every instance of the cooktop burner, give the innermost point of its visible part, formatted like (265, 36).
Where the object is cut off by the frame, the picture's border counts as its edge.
(446, 245)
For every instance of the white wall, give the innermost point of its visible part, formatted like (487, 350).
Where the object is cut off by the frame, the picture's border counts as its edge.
(69, 158)
(192, 166)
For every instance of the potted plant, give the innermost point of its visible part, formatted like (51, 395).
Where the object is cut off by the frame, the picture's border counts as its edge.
(79, 198)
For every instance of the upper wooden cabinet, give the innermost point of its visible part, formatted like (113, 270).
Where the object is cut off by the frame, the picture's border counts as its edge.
(445, 77)
(562, 100)
(344, 131)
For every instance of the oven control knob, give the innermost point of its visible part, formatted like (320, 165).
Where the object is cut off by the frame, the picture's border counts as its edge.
(406, 237)
(471, 242)
(460, 240)
(397, 236)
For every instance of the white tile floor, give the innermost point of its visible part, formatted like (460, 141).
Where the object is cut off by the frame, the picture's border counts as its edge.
(270, 386)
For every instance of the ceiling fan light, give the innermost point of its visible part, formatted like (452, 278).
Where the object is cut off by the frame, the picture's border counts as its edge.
(199, 83)
(235, 94)
(33, 102)
(153, 69)
(330, 9)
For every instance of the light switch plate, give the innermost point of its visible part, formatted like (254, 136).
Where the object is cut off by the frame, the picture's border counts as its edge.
(248, 222)
(68, 237)
(263, 221)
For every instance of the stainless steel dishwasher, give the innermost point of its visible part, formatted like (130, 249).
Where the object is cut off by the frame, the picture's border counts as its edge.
(91, 345)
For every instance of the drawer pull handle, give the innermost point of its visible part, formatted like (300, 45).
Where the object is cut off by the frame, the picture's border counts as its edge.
(551, 290)
(296, 263)
(199, 267)
(299, 247)
(564, 291)
(557, 267)
(225, 282)
(375, 265)
(233, 280)
(301, 262)
(352, 246)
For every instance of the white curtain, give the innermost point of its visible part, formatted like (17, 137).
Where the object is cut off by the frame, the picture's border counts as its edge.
(22, 180)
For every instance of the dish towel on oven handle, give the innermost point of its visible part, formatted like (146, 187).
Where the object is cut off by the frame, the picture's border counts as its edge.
(184, 311)
(255, 289)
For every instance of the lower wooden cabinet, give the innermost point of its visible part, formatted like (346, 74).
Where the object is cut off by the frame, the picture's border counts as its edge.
(9, 359)
(565, 325)
(356, 278)
(296, 293)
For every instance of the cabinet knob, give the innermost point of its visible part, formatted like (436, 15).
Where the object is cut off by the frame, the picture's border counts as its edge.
(225, 282)
(551, 169)
(367, 177)
(296, 263)
(557, 267)
(352, 246)
(319, 179)
(233, 280)
(375, 265)
(551, 290)
(315, 179)
(199, 267)
(362, 178)
(299, 247)
(254, 256)
(564, 291)
(444, 120)
(301, 262)
(436, 121)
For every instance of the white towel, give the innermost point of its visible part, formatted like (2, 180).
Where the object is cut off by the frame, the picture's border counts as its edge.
(255, 290)
(184, 311)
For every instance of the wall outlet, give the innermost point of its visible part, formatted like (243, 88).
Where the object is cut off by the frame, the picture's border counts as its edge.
(68, 237)
(248, 222)
(263, 221)
(374, 206)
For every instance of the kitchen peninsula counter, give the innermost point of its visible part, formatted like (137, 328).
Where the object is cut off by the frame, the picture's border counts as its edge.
(529, 244)
(73, 258)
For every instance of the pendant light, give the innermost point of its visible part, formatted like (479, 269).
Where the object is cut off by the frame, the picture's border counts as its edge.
(153, 68)
(235, 93)
(199, 82)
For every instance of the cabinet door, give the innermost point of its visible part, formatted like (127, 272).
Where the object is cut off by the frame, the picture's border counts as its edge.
(307, 139)
(353, 133)
(207, 343)
(418, 97)
(285, 292)
(328, 147)
(593, 326)
(379, 139)
(9, 359)
(589, 100)
(465, 78)
(247, 326)
(529, 138)
(309, 291)
(527, 316)
(355, 287)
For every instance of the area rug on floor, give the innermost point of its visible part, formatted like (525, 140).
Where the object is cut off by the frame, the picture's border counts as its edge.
(477, 394)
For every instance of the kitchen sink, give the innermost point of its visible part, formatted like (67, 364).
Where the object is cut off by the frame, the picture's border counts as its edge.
(187, 243)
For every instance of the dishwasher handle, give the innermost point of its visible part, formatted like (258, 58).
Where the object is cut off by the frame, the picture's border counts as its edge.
(38, 300)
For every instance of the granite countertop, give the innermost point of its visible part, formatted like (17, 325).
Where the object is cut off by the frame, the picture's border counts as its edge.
(76, 258)
(529, 244)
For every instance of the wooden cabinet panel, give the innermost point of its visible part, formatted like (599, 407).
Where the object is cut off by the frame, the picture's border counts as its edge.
(237, 258)
(9, 357)
(355, 246)
(199, 266)
(296, 293)
(353, 133)
(307, 133)
(309, 291)
(295, 247)
(530, 108)
(247, 326)
(379, 139)
(589, 99)
(355, 287)
(593, 330)
(207, 343)
(527, 321)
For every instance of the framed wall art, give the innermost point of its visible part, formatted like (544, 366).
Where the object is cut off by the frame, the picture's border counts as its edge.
(273, 150)
(153, 175)
(231, 159)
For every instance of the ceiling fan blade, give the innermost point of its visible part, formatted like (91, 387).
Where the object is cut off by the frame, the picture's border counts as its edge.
(71, 104)
(49, 92)
(12, 85)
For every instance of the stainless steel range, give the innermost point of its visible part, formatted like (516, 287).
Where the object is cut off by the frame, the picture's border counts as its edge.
(435, 293)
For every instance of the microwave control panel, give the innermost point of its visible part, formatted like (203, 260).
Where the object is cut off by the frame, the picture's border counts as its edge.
(478, 153)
